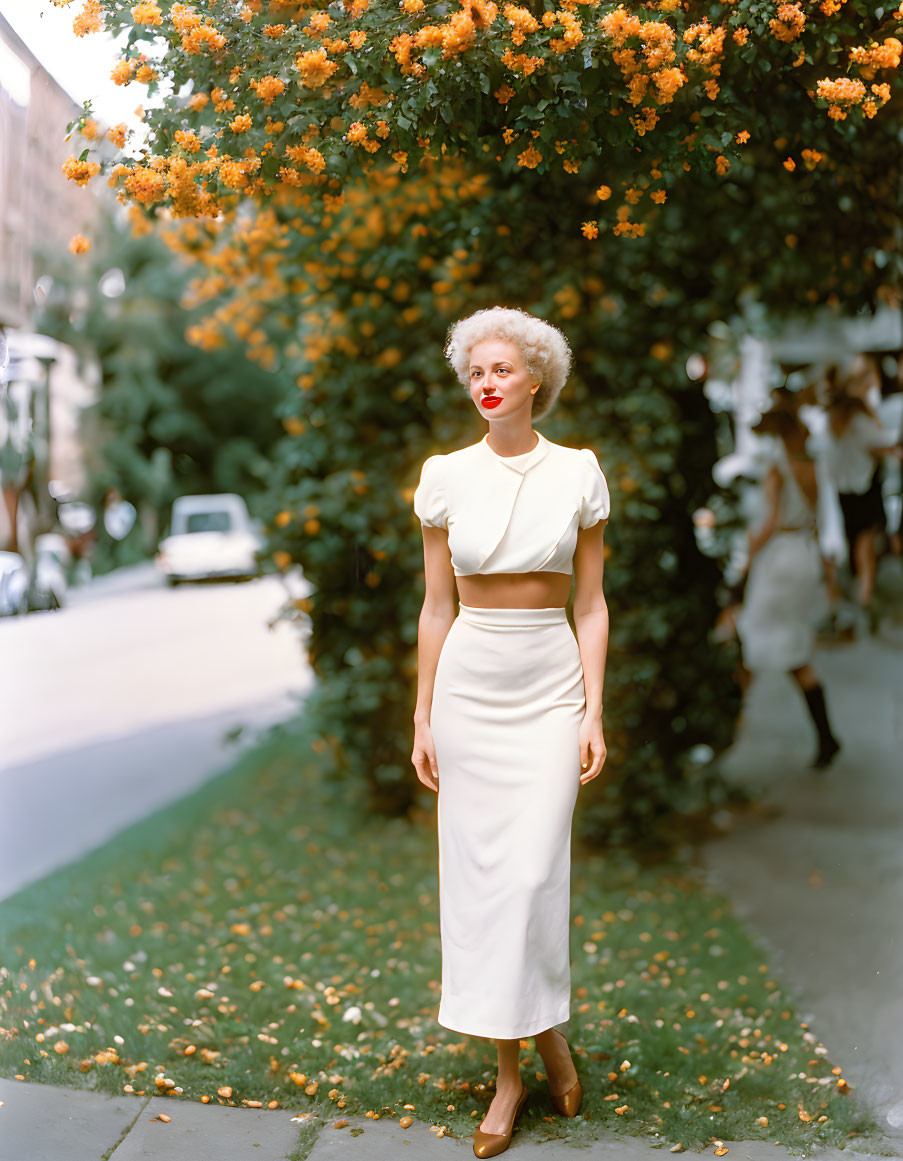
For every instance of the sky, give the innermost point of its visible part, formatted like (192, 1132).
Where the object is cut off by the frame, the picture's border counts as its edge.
(80, 64)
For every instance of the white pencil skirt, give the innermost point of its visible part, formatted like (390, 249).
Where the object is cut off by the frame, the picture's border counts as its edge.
(783, 603)
(508, 701)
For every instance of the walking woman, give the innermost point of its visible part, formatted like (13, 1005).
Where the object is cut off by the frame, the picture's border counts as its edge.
(508, 723)
(776, 624)
(857, 440)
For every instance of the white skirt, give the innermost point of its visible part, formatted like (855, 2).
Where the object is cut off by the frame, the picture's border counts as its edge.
(783, 603)
(508, 701)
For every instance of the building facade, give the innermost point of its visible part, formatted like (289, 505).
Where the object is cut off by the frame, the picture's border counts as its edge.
(41, 393)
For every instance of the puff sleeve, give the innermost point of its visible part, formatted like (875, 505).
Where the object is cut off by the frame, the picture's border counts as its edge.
(430, 502)
(595, 503)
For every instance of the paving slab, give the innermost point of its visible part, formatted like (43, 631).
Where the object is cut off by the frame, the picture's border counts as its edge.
(365, 1140)
(43, 1123)
(199, 1132)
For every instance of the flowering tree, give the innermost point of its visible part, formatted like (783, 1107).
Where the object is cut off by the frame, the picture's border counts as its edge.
(350, 177)
(271, 95)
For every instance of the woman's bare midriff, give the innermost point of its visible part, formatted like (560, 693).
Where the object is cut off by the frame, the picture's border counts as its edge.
(515, 590)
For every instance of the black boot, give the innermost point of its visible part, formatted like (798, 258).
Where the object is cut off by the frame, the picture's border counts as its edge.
(828, 745)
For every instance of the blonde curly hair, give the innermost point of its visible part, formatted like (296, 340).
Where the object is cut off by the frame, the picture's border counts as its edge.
(543, 347)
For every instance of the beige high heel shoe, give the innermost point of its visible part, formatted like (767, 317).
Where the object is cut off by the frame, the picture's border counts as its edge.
(491, 1144)
(568, 1103)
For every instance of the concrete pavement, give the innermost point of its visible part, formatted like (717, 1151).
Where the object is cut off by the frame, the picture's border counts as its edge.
(822, 879)
(39, 1123)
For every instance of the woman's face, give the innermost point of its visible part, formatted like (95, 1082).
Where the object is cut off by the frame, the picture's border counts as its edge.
(500, 384)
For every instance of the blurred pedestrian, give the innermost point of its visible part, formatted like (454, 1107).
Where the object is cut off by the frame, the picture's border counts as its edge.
(776, 623)
(856, 442)
(890, 412)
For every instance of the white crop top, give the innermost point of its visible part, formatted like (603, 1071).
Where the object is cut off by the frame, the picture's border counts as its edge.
(512, 514)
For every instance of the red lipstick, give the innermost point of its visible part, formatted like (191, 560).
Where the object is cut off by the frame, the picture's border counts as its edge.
(491, 400)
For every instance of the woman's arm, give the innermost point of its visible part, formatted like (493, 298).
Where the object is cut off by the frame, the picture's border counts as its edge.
(591, 626)
(436, 618)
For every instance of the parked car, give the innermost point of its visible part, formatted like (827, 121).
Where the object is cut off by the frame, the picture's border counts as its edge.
(209, 536)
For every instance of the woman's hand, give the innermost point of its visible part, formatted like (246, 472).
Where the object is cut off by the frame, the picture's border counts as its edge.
(424, 756)
(592, 748)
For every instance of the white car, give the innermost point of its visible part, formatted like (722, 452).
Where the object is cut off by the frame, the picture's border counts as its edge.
(210, 536)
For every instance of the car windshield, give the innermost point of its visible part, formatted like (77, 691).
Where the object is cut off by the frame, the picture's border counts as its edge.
(208, 522)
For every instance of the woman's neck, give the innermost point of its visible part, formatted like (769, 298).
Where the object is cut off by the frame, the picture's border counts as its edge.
(511, 441)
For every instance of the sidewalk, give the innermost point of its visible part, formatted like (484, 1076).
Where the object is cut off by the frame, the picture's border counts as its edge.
(822, 880)
(39, 1123)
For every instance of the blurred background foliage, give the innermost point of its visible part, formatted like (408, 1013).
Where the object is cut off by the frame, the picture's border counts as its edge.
(169, 419)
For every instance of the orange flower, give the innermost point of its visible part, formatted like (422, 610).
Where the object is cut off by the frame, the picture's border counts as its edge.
(241, 124)
(741, 35)
(603, 193)
(789, 23)
(118, 134)
(742, 137)
(659, 196)
(573, 33)
(90, 19)
(789, 164)
(268, 88)
(147, 12)
(522, 23)
(504, 94)
(122, 72)
(521, 62)
(590, 230)
(319, 22)
(843, 89)
(79, 244)
(145, 184)
(188, 139)
(357, 37)
(80, 172)
(199, 101)
(722, 165)
(619, 25)
(877, 56)
(315, 68)
(221, 103)
(530, 158)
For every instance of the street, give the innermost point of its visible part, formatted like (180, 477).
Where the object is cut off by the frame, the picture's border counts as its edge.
(123, 701)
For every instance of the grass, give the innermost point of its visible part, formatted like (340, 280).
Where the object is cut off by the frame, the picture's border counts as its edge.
(262, 942)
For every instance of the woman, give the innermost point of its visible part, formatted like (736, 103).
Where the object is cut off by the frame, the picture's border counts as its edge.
(776, 624)
(508, 721)
(857, 439)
